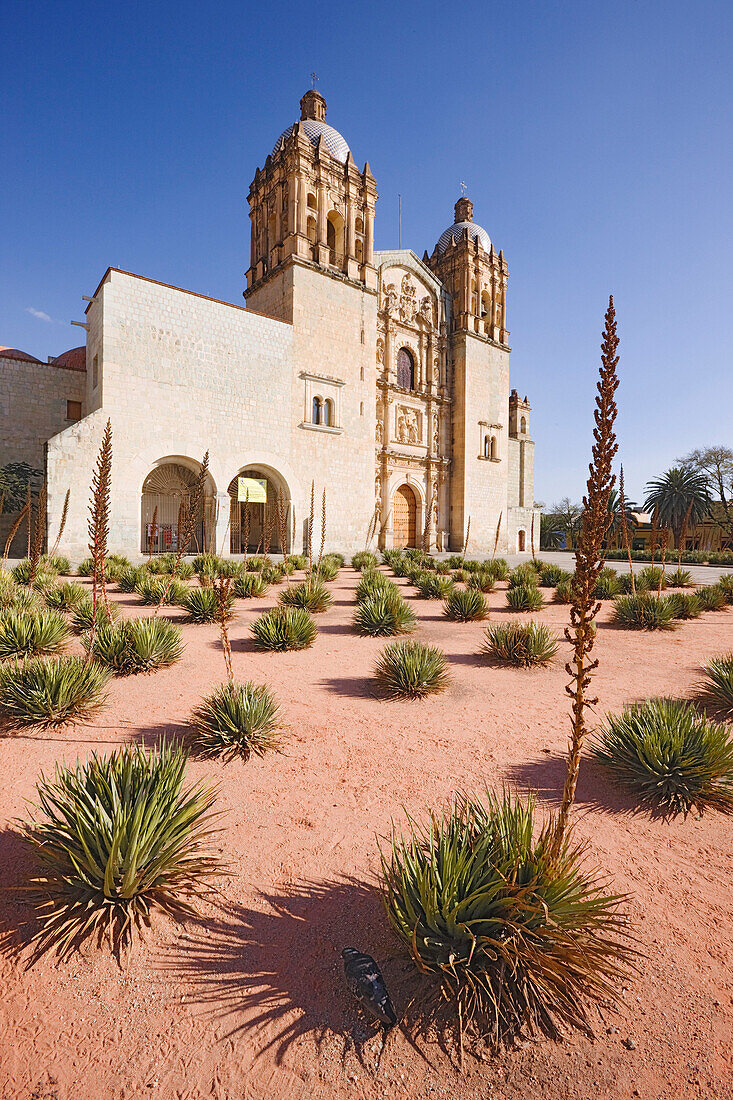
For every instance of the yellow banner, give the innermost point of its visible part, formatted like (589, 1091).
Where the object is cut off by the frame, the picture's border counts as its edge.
(252, 489)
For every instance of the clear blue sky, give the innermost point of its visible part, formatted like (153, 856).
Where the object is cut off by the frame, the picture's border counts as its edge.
(595, 141)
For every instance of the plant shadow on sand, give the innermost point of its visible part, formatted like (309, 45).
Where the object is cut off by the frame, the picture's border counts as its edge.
(17, 921)
(277, 970)
(545, 778)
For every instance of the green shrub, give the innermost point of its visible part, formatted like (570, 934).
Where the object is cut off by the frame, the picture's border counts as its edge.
(118, 838)
(136, 645)
(644, 611)
(443, 568)
(711, 597)
(524, 598)
(22, 572)
(65, 597)
(364, 560)
(384, 613)
(726, 583)
(461, 575)
(608, 585)
(152, 589)
(455, 561)
(283, 628)
(114, 566)
(506, 936)
(679, 578)
(32, 633)
(466, 605)
(551, 575)
(717, 688)
(253, 564)
(482, 582)
(327, 570)
(56, 564)
(524, 576)
(298, 561)
(651, 577)
(412, 553)
(626, 588)
(273, 574)
(522, 644)
(412, 669)
(208, 564)
(249, 586)
(671, 758)
(499, 568)
(236, 720)
(85, 568)
(8, 589)
(338, 559)
(310, 594)
(128, 578)
(371, 582)
(202, 605)
(83, 615)
(432, 586)
(27, 599)
(685, 605)
(48, 691)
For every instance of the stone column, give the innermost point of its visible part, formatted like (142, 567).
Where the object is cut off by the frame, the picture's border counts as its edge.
(222, 505)
(369, 236)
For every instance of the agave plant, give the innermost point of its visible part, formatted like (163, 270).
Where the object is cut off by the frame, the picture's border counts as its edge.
(23, 570)
(248, 586)
(652, 577)
(297, 561)
(499, 567)
(506, 935)
(644, 611)
(56, 563)
(371, 582)
(711, 597)
(670, 757)
(483, 581)
(310, 595)
(412, 669)
(685, 605)
(203, 605)
(523, 644)
(65, 597)
(8, 589)
(85, 568)
(48, 691)
(384, 613)
(326, 570)
(432, 586)
(679, 578)
(237, 720)
(153, 589)
(206, 563)
(283, 628)
(608, 585)
(136, 645)
(466, 605)
(128, 578)
(82, 615)
(26, 600)
(717, 687)
(524, 597)
(364, 560)
(551, 575)
(32, 633)
(726, 583)
(524, 576)
(118, 838)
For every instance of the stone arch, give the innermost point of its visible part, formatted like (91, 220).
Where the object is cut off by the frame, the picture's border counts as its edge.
(335, 238)
(165, 498)
(404, 516)
(406, 368)
(262, 522)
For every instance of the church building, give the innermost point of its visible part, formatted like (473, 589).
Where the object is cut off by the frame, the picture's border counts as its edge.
(381, 377)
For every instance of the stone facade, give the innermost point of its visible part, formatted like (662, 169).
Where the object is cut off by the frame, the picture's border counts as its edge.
(377, 377)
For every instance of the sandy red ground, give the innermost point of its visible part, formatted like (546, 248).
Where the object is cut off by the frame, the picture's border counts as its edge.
(250, 1002)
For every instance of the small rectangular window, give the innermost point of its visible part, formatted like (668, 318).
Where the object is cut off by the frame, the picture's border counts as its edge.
(73, 410)
(95, 372)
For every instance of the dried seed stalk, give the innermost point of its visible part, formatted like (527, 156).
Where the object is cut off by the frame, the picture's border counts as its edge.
(282, 508)
(62, 524)
(38, 534)
(29, 502)
(468, 535)
(13, 532)
(153, 533)
(245, 528)
(654, 533)
(496, 536)
(323, 529)
(664, 539)
(625, 527)
(223, 585)
(588, 557)
(99, 524)
(310, 527)
(531, 537)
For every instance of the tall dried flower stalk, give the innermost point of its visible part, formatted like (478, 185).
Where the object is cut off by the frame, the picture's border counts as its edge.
(2, 501)
(223, 586)
(29, 502)
(13, 532)
(269, 527)
(245, 528)
(153, 538)
(588, 558)
(99, 524)
(323, 528)
(683, 533)
(496, 536)
(38, 534)
(531, 536)
(468, 535)
(62, 524)
(372, 528)
(428, 517)
(187, 525)
(625, 526)
(282, 508)
(311, 515)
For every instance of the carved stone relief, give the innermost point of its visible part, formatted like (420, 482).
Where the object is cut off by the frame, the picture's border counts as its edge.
(408, 425)
(408, 300)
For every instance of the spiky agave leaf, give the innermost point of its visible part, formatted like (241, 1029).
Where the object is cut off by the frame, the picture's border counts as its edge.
(237, 720)
(49, 691)
(383, 614)
(82, 615)
(717, 687)
(685, 605)
(283, 628)
(364, 559)
(483, 580)
(371, 582)
(136, 645)
(412, 669)
(202, 605)
(465, 605)
(310, 594)
(506, 934)
(670, 757)
(711, 597)
(162, 589)
(116, 839)
(249, 586)
(433, 586)
(679, 578)
(523, 644)
(64, 597)
(524, 597)
(645, 611)
(32, 633)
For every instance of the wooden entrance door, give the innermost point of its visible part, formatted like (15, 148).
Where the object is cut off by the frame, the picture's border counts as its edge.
(404, 517)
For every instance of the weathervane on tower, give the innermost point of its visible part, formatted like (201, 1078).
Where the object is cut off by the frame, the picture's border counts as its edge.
(314, 79)
(463, 187)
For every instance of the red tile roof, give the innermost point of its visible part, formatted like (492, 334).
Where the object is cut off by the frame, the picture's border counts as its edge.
(74, 359)
(13, 353)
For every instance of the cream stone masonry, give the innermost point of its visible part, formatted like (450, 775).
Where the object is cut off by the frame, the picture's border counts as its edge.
(377, 377)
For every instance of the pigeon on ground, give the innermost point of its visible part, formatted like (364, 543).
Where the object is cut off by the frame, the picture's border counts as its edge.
(364, 980)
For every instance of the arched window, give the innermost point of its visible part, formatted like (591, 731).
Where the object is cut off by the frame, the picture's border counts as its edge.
(311, 230)
(359, 225)
(522, 541)
(494, 449)
(405, 369)
(485, 305)
(317, 410)
(311, 201)
(523, 425)
(328, 412)
(359, 250)
(487, 447)
(335, 238)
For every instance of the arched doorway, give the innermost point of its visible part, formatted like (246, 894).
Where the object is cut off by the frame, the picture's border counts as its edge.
(522, 542)
(166, 498)
(404, 517)
(261, 528)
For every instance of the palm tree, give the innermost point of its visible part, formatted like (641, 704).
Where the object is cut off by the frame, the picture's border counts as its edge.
(680, 495)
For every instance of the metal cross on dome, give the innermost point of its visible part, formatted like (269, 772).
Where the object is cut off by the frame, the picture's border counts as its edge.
(314, 79)
(463, 187)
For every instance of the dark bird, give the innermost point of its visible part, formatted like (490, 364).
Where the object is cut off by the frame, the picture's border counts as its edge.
(364, 980)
